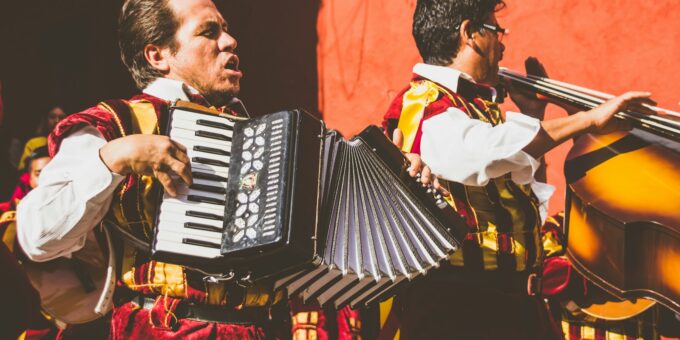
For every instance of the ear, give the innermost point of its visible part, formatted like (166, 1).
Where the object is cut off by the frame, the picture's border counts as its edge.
(157, 57)
(465, 34)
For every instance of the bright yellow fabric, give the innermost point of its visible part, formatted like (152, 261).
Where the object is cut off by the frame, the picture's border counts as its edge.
(415, 100)
(29, 147)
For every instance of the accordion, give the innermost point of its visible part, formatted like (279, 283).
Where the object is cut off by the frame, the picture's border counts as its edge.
(281, 198)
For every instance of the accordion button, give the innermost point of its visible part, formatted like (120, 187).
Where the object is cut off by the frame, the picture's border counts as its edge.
(240, 223)
(242, 197)
(238, 236)
(254, 208)
(259, 140)
(248, 132)
(248, 143)
(251, 233)
(247, 155)
(254, 195)
(259, 152)
(252, 220)
(240, 210)
(258, 165)
(260, 129)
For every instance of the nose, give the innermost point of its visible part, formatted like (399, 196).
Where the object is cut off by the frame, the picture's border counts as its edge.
(226, 42)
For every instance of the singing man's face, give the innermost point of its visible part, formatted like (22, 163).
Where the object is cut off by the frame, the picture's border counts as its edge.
(205, 57)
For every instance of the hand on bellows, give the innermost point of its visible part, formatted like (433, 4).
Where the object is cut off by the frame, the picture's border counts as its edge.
(154, 155)
(417, 165)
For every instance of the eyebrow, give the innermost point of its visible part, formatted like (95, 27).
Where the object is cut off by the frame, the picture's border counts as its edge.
(212, 24)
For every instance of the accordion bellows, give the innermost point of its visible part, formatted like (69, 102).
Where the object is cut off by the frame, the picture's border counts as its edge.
(339, 222)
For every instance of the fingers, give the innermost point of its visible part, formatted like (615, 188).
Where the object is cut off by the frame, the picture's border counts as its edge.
(181, 168)
(167, 182)
(440, 188)
(416, 164)
(534, 67)
(426, 175)
(398, 138)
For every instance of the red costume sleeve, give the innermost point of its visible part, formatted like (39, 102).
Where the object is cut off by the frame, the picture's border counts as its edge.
(96, 116)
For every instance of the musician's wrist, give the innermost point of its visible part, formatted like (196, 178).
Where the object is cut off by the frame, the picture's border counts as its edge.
(114, 160)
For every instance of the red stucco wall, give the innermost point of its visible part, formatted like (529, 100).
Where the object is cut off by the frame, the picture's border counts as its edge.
(365, 54)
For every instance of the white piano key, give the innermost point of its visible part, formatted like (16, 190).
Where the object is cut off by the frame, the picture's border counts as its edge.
(171, 216)
(175, 247)
(194, 153)
(191, 125)
(188, 115)
(182, 136)
(170, 228)
(182, 200)
(181, 210)
(184, 190)
(173, 236)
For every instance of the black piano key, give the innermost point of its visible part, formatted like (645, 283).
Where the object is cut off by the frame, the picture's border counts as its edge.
(203, 199)
(208, 177)
(200, 243)
(205, 215)
(212, 135)
(203, 160)
(212, 124)
(200, 226)
(211, 150)
(209, 188)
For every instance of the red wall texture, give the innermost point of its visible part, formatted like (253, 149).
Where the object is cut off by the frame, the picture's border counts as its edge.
(365, 54)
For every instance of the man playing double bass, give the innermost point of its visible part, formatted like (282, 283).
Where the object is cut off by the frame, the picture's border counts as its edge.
(110, 161)
(487, 163)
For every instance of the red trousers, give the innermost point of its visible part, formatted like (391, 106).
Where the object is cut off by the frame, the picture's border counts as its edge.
(130, 321)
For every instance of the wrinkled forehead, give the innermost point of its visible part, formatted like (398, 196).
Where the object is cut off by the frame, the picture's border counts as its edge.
(193, 13)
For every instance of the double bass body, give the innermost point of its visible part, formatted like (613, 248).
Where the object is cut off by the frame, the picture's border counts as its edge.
(623, 214)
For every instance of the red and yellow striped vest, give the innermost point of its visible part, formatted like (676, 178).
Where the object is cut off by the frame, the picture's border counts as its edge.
(503, 216)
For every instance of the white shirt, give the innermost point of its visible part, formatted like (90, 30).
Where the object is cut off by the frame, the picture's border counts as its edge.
(75, 189)
(470, 151)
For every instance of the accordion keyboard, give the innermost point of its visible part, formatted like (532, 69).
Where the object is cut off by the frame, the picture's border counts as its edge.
(192, 223)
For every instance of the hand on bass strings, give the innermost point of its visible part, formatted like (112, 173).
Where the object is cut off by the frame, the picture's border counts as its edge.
(601, 119)
(418, 166)
(153, 155)
(529, 103)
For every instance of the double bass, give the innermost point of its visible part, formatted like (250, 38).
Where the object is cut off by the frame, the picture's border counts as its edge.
(622, 215)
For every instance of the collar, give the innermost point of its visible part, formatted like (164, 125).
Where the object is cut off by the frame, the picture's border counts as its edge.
(455, 80)
(171, 90)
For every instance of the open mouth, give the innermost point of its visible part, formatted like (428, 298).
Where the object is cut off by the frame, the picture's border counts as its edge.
(232, 64)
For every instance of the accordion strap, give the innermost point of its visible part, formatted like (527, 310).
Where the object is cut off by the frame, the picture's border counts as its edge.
(130, 239)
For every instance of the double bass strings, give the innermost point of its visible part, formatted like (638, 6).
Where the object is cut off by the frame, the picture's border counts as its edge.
(587, 98)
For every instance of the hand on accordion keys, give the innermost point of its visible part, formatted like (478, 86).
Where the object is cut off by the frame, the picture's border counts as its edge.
(154, 155)
(418, 168)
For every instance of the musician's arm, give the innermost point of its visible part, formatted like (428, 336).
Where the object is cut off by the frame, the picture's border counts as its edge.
(598, 120)
(74, 193)
(472, 152)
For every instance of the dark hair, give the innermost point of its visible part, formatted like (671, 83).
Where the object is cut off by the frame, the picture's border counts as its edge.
(144, 22)
(436, 25)
(39, 152)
